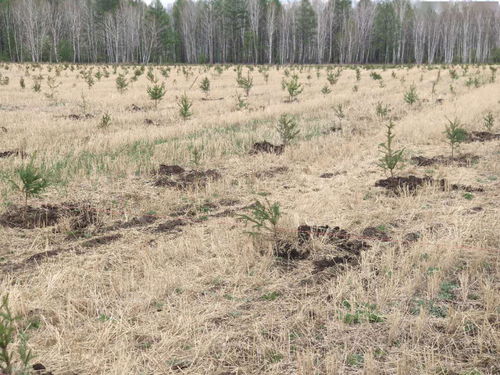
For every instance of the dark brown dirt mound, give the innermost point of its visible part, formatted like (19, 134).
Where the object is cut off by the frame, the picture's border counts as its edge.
(482, 136)
(412, 183)
(306, 233)
(465, 160)
(169, 170)
(103, 240)
(170, 226)
(148, 121)
(271, 172)
(372, 233)
(28, 217)
(7, 154)
(40, 369)
(134, 108)
(178, 179)
(348, 250)
(76, 117)
(333, 129)
(288, 250)
(265, 146)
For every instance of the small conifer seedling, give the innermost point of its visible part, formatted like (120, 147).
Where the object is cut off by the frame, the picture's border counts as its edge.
(185, 107)
(455, 134)
(390, 158)
(287, 129)
(156, 93)
(205, 86)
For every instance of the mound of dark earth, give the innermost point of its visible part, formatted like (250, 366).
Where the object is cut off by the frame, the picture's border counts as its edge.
(134, 108)
(482, 136)
(7, 154)
(266, 147)
(373, 233)
(412, 183)
(28, 217)
(465, 160)
(177, 177)
(85, 116)
(271, 172)
(345, 250)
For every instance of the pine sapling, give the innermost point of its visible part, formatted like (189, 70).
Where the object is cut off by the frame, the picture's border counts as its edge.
(339, 112)
(390, 158)
(411, 96)
(33, 181)
(185, 107)
(245, 83)
(105, 121)
(455, 134)
(205, 86)
(9, 365)
(382, 110)
(156, 93)
(293, 87)
(264, 218)
(121, 84)
(287, 129)
(489, 121)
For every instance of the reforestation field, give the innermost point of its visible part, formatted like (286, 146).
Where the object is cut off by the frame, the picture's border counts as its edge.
(249, 219)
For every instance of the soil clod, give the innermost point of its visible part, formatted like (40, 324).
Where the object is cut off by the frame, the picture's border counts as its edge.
(103, 240)
(169, 170)
(465, 160)
(482, 136)
(170, 226)
(347, 251)
(373, 233)
(179, 178)
(7, 154)
(412, 183)
(76, 117)
(28, 217)
(134, 108)
(271, 172)
(265, 146)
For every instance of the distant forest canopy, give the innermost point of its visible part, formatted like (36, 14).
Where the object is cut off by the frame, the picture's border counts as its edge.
(247, 31)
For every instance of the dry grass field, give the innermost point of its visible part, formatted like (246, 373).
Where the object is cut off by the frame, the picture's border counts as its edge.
(124, 267)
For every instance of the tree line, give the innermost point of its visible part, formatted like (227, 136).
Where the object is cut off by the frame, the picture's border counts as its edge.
(247, 31)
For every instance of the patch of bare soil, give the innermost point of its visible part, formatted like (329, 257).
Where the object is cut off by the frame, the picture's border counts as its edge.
(39, 257)
(373, 233)
(7, 154)
(132, 223)
(85, 116)
(411, 237)
(28, 217)
(330, 174)
(271, 172)
(193, 210)
(178, 178)
(413, 183)
(333, 129)
(346, 250)
(40, 369)
(211, 99)
(266, 147)
(149, 121)
(170, 226)
(103, 240)
(482, 136)
(134, 108)
(465, 160)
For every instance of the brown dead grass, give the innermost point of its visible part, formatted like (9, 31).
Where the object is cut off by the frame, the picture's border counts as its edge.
(126, 297)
